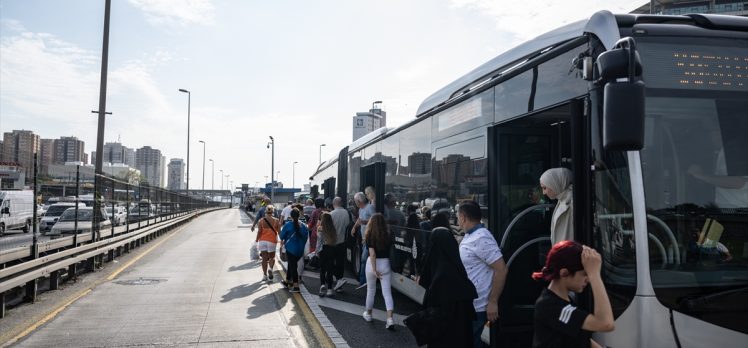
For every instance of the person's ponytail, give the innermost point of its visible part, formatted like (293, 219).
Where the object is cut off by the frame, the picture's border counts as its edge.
(295, 217)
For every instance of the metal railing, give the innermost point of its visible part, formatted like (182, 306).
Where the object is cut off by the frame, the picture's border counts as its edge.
(131, 214)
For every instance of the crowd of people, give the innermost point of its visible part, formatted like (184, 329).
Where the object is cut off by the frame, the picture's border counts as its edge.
(463, 273)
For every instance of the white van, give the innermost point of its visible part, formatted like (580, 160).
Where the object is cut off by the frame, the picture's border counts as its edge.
(16, 210)
(53, 213)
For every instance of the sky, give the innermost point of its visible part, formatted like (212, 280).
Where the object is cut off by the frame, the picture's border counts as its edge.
(295, 70)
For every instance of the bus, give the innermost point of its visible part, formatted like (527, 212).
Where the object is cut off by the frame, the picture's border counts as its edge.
(649, 112)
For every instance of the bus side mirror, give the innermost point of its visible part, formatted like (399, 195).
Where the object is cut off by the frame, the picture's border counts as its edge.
(623, 98)
(6, 210)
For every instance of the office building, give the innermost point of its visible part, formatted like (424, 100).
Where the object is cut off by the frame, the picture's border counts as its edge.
(150, 163)
(19, 147)
(68, 149)
(116, 153)
(681, 7)
(366, 122)
(176, 175)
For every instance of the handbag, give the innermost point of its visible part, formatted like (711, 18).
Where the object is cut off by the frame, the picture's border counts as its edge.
(485, 335)
(427, 325)
(254, 253)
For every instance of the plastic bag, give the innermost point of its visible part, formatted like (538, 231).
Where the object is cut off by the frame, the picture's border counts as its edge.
(485, 335)
(254, 252)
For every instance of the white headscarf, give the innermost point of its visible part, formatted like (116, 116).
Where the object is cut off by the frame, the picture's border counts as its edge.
(557, 179)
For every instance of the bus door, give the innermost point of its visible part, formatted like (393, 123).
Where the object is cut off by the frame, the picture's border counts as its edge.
(519, 215)
(328, 187)
(373, 175)
(370, 175)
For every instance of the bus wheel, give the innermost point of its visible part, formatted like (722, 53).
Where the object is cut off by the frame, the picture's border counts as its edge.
(2, 229)
(27, 227)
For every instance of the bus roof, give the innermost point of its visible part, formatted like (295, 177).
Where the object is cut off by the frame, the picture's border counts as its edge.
(603, 24)
(600, 24)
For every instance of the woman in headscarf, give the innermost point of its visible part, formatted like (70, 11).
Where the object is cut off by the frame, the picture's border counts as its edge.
(557, 184)
(448, 289)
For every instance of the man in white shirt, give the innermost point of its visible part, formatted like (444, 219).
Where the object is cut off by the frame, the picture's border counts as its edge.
(286, 212)
(483, 261)
(341, 218)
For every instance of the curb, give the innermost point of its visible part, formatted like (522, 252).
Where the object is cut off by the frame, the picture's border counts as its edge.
(332, 333)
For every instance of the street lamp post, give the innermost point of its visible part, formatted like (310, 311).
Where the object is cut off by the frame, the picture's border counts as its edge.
(221, 170)
(212, 174)
(320, 152)
(271, 145)
(189, 97)
(201, 141)
(293, 173)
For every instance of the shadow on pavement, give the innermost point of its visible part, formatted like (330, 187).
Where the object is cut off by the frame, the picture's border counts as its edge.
(246, 266)
(240, 291)
(265, 304)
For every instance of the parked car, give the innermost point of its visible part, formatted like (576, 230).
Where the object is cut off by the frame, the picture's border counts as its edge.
(120, 216)
(66, 223)
(54, 212)
(16, 210)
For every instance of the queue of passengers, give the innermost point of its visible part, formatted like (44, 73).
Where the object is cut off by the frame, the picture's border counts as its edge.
(463, 279)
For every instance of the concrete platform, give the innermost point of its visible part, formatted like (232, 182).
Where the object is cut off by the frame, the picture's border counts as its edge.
(197, 288)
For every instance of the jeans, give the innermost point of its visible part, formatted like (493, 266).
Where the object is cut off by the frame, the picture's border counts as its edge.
(478, 323)
(383, 267)
(326, 262)
(293, 273)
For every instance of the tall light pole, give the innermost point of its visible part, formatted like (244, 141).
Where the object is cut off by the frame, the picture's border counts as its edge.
(189, 97)
(293, 179)
(100, 128)
(221, 170)
(201, 141)
(212, 174)
(256, 188)
(271, 145)
(320, 152)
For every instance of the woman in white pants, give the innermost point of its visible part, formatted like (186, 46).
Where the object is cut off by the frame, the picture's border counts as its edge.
(377, 240)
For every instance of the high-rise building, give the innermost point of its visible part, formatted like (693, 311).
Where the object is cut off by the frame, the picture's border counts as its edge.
(681, 7)
(46, 155)
(68, 149)
(116, 153)
(176, 174)
(150, 163)
(20, 146)
(366, 122)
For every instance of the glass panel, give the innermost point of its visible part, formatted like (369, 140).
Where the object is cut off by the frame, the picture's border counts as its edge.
(696, 176)
(513, 96)
(469, 114)
(460, 171)
(557, 81)
(696, 179)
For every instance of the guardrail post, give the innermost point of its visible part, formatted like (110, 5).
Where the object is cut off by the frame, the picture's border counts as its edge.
(2, 305)
(31, 290)
(72, 270)
(91, 264)
(54, 280)
(111, 255)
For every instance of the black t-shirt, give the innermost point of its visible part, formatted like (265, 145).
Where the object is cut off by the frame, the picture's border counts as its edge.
(558, 323)
(383, 253)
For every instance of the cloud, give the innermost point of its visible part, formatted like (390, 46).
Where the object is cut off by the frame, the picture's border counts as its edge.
(176, 12)
(531, 18)
(44, 78)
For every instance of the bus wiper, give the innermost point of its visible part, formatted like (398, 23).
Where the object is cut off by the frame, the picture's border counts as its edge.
(700, 302)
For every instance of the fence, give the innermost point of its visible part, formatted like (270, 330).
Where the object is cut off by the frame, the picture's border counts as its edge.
(69, 231)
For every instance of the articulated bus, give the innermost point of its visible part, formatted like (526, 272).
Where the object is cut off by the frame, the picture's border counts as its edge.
(651, 115)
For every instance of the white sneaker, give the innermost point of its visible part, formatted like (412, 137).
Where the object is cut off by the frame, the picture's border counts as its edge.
(340, 283)
(330, 292)
(390, 325)
(264, 278)
(367, 316)
(322, 291)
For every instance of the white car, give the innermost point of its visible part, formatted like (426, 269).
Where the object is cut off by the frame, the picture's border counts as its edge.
(54, 212)
(120, 215)
(66, 223)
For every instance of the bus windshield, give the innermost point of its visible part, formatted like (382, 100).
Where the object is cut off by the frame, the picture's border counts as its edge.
(696, 176)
